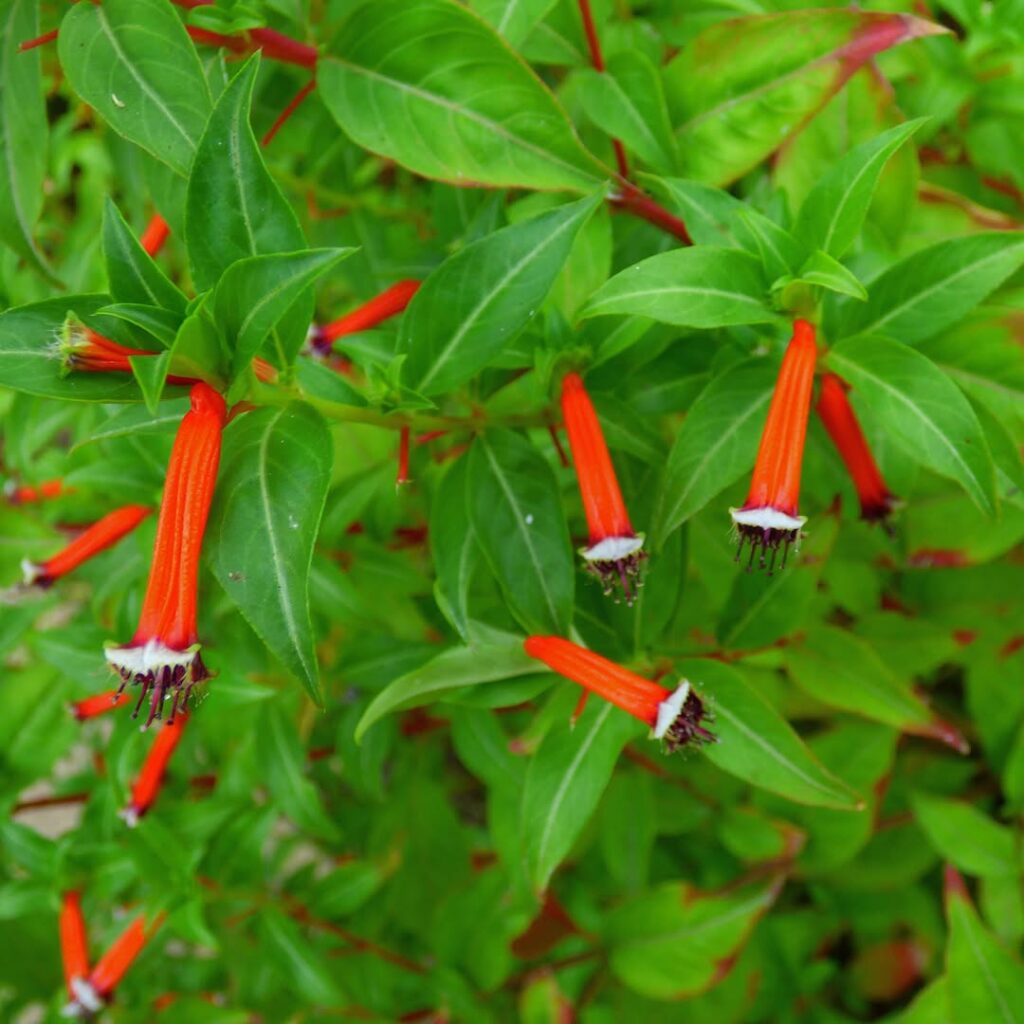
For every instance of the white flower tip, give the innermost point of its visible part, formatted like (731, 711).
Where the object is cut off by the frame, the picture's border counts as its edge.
(31, 572)
(130, 815)
(670, 708)
(148, 657)
(87, 999)
(613, 549)
(766, 518)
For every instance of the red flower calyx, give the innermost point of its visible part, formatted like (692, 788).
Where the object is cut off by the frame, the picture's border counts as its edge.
(163, 656)
(101, 535)
(675, 716)
(614, 550)
(876, 501)
(769, 518)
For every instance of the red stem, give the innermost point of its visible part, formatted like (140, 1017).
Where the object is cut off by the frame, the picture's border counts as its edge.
(597, 59)
(288, 111)
(633, 201)
(403, 457)
(31, 44)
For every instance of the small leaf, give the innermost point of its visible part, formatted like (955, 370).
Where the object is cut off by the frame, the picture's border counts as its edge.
(478, 300)
(923, 412)
(133, 61)
(132, 274)
(672, 942)
(834, 210)
(302, 966)
(935, 287)
(255, 293)
(698, 287)
(275, 470)
(151, 372)
(716, 444)
(985, 980)
(822, 270)
(516, 511)
(966, 836)
(564, 783)
(491, 656)
(757, 745)
(430, 84)
(454, 547)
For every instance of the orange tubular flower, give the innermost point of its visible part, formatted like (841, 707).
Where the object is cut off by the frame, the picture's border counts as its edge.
(164, 653)
(388, 304)
(74, 945)
(768, 519)
(151, 778)
(98, 704)
(92, 994)
(27, 494)
(839, 419)
(101, 535)
(675, 716)
(153, 238)
(614, 550)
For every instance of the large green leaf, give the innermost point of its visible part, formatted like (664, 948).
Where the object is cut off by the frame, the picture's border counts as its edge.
(23, 133)
(276, 466)
(431, 85)
(967, 837)
(833, 212)
(133, 61)
(30, 360)
(986, 980)
(132, 275)
(756, 744)
(490, 656)
(699, 287)
(479, 300)
(716, 444)
(920, 409)
(672, 942)
(744, 86)
(564, 782)
(516, 511)
(234, 209)
(935, 287)
(513, 19)
(255, 293)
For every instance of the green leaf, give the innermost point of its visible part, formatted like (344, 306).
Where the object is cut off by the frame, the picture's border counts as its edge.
(833, 212)
(132, 274)
(757, 745)
(491, 656)
(478, 300)
(275, 470)
(234, 209)
(716, 444)
(564, 783)
(671, 942)
(161, 324)
(133, 420)
(23, 134)
(513, 19)
(923, 412)
(453, 547)
(516, 511)
(151, 373)
(822, 270)
(985, 980)
(843, 671)
(429, 84)
(255, 293)
(133, 61)
(301, 964)
(698, 287)
(935, 287)
(743, 86)
(30, 360)
(966, 836)
(626, 101)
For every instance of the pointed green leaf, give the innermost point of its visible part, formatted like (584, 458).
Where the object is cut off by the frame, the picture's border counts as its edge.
(454, 547)
(513, 19)
(275, 470)
(967, 837)
(826, 272)
(151, 373)
(132, 274)
(431, 85)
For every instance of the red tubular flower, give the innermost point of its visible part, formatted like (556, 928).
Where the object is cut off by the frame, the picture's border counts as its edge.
(614, 550)
(98, 704)
(768, 519)
(674, 715)
(388, 304)
(153, 238)
(27, 494)
(151, 778)
(101, 535)
(164, 653)
(92, 994)
(74, 945)
(839, 419)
